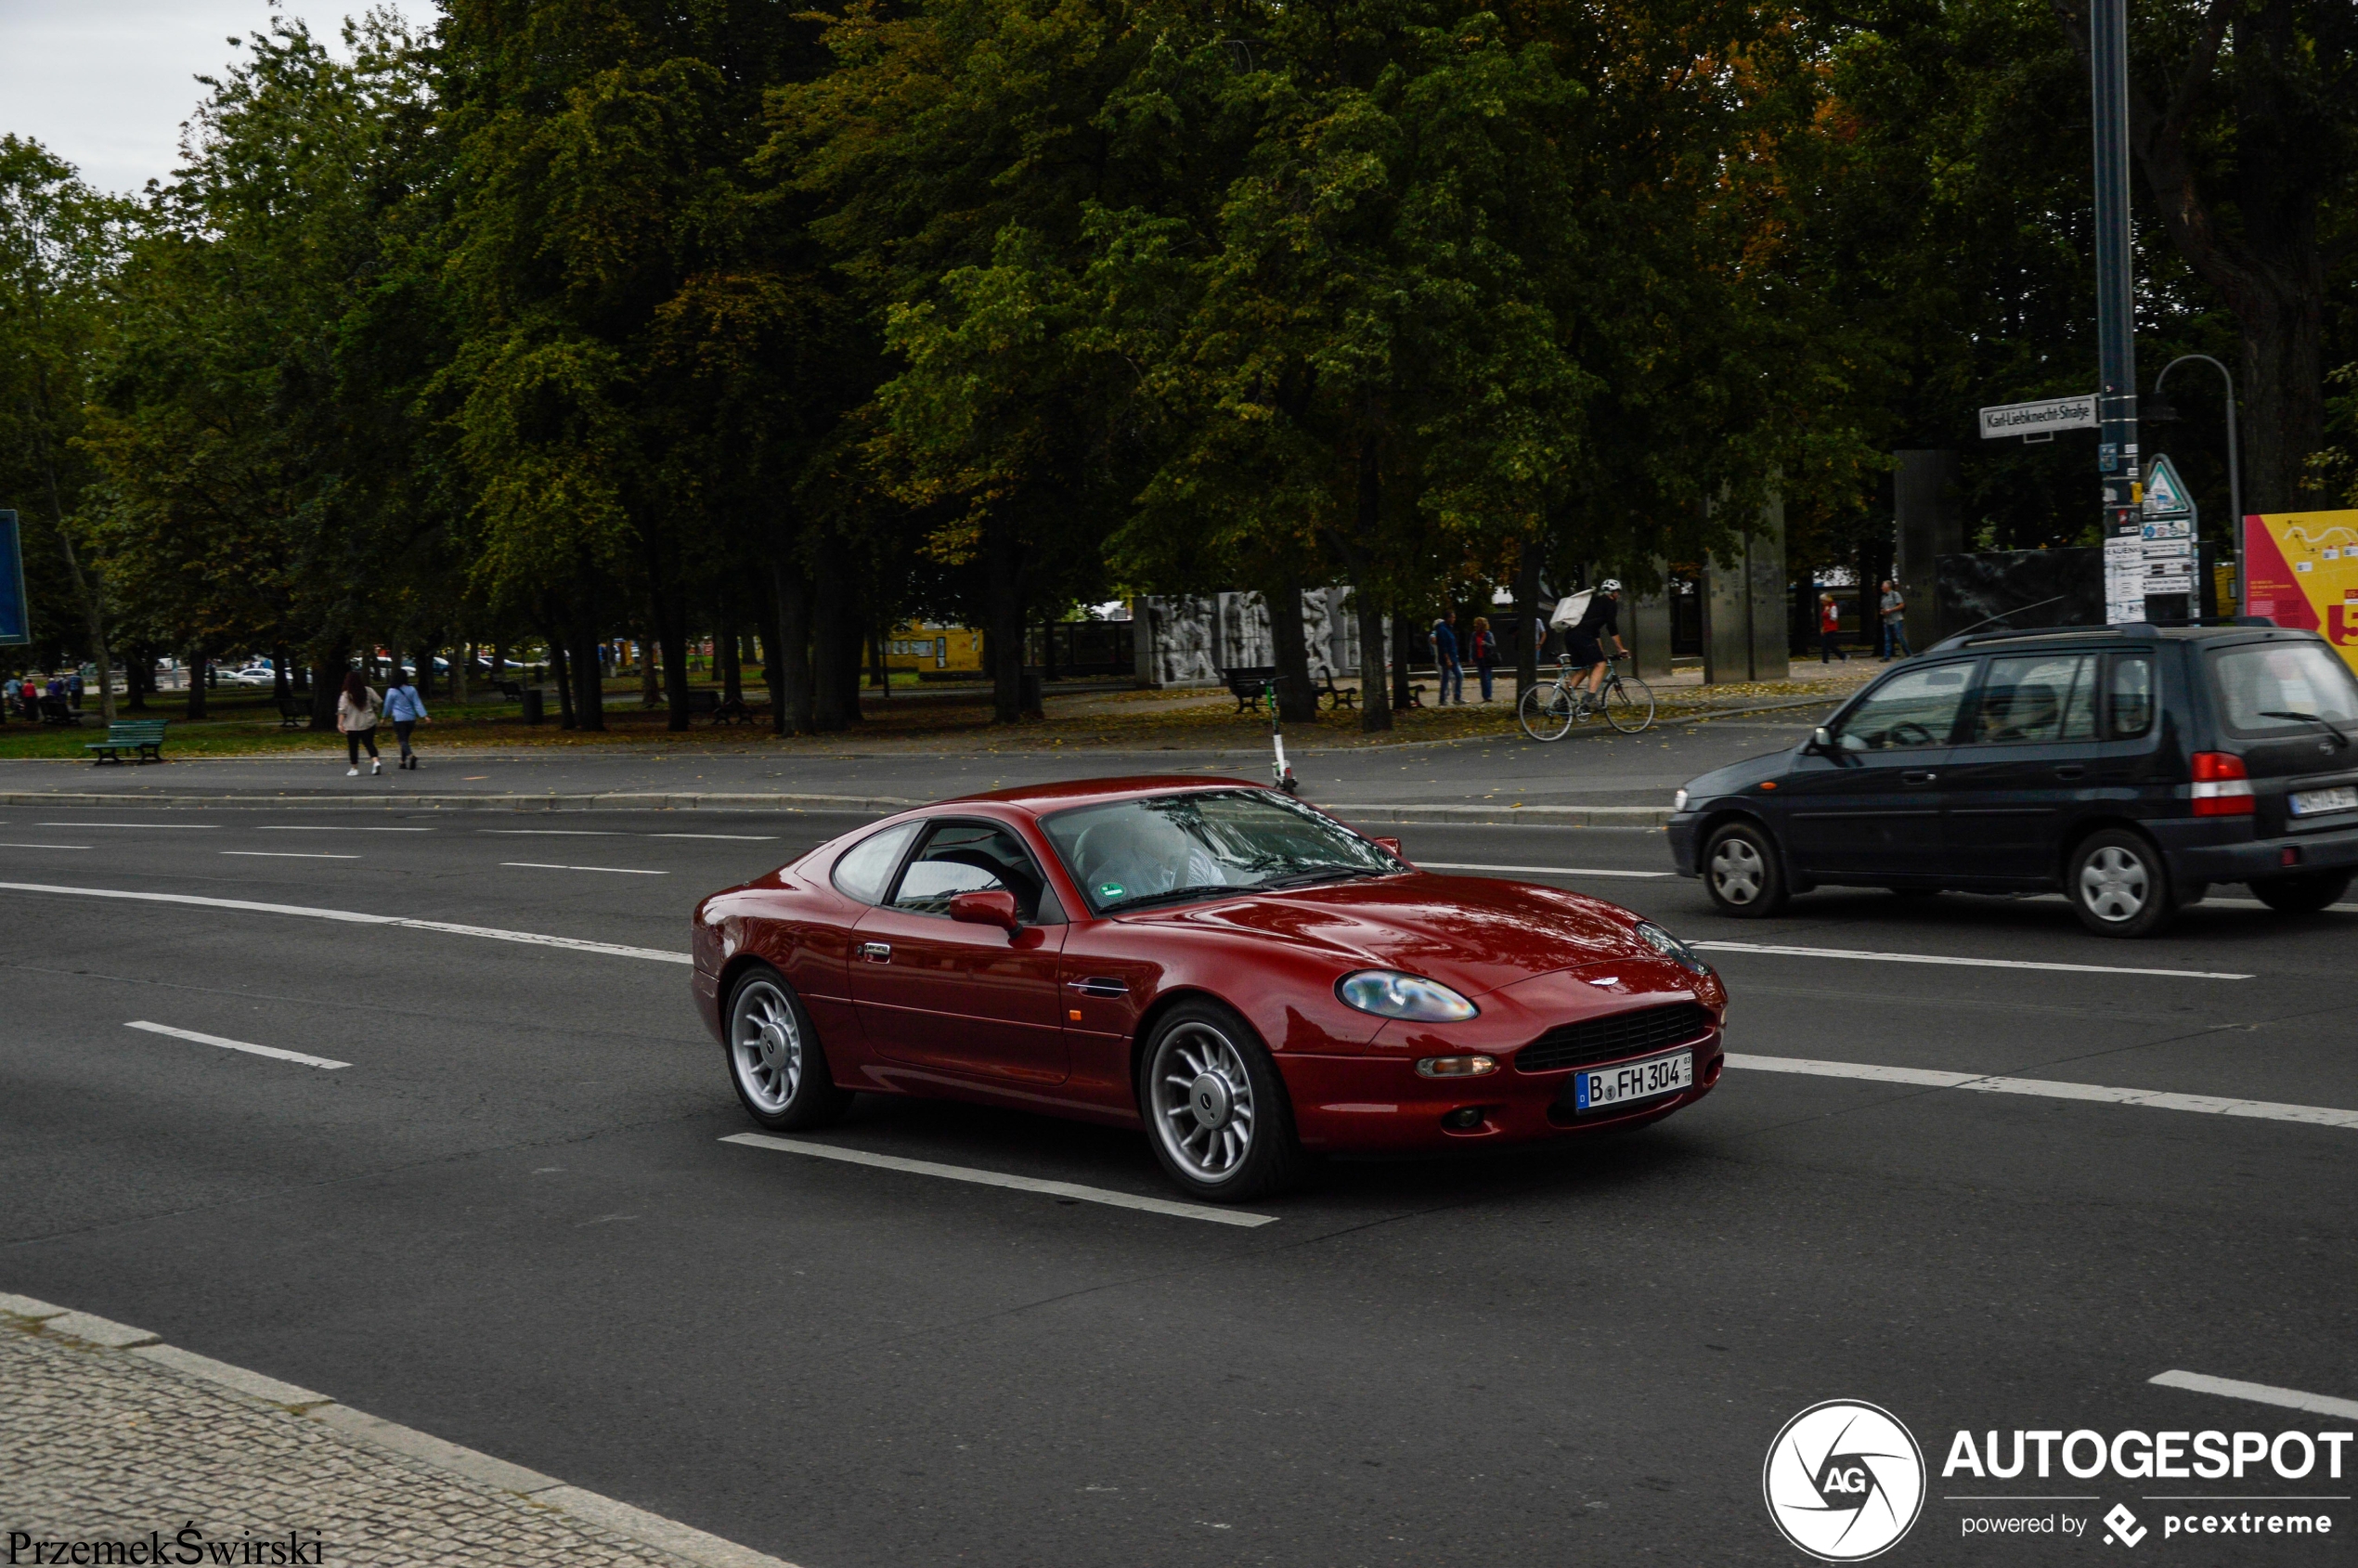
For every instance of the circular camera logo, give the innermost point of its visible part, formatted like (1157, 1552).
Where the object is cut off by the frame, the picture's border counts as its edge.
(1844, 1481)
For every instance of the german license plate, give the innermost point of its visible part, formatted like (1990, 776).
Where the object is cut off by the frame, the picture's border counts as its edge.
(1595, 1088)
(2312, 802)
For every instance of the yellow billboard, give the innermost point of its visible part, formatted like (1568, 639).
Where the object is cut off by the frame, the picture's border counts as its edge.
(2300, 569)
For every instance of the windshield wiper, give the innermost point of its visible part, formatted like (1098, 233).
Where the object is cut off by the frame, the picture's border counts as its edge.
(1326, 873)
(1170, 895)
(2340, 739)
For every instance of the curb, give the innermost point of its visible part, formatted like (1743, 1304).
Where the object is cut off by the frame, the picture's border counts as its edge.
(590, 1508)
(650, 801)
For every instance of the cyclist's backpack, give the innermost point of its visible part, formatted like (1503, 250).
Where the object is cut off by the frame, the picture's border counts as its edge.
(1570, 608)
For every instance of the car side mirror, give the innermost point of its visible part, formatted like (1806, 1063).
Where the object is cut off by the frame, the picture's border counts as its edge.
(1821, 740)
(1390, 847)
(989, 906)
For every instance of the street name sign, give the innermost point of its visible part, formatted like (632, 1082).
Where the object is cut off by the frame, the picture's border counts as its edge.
(2038, 419)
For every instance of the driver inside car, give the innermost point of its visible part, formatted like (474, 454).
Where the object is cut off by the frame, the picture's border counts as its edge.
(1135, 854)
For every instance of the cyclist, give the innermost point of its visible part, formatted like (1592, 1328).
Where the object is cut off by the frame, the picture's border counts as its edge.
(1584, 641)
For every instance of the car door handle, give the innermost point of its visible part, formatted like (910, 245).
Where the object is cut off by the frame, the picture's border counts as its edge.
(1918, 775)
(876, 953)
(2071, 771)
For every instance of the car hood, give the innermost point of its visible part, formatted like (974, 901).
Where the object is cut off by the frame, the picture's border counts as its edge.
(1473, 933)
(1738, 776)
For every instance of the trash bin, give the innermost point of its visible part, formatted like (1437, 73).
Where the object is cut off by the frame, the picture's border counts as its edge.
(532, 704)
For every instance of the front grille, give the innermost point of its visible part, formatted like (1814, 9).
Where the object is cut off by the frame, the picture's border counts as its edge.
(1613, 1037)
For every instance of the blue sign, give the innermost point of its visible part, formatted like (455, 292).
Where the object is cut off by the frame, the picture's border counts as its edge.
(16, 613)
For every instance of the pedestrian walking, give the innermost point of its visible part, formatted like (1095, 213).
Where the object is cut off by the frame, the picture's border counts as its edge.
(1485, 654)
(407, 708)
(356, 711)
(1444, 657)
(1829, 629)
(1895, 622)
(73, 690)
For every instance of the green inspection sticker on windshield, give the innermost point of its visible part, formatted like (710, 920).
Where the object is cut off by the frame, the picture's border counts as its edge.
(1110, 890)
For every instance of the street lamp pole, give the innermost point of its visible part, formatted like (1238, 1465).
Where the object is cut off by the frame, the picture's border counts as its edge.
(2117, 457)
(2235, 467)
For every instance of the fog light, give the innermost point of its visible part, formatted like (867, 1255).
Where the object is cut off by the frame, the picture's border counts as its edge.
(1456, 1066)
(1463, 1120)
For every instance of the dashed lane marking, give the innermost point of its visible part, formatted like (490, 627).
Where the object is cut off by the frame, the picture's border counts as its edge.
(2053, 1089)
(290, 855)
(44, 845)
(1537, 870)
(2259, 1394)
(186, 827)
(358, 917)
(739, 838)
(271, 1051)
(549, 832)
(306, 827)
(995, 1178)
(618, 870)
(1863, 957)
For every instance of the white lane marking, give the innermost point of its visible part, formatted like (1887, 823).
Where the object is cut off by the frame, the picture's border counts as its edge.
(549, 831)
(206, 827)
(235, 1044)
(993, 1178)
(290, 855)
(741, 837)
(2053, 1089)
(2261, 1393)
(618, 870)
(1535, 870)
(290, 827)
(355, 917)
(44, 845)
(1959, 963)
(2255, 904)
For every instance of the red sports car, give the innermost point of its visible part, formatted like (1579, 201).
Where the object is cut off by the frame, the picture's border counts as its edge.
(1250, 978)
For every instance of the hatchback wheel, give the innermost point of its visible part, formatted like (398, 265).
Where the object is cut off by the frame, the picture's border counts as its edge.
(2118, 884)
(774, 1059)
(2304, 892)
(1741, 873)
(1216, 1109)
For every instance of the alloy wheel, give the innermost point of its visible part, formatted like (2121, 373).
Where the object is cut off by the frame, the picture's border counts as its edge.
(1203, 1102)
(765, 1047)
(2115, 884)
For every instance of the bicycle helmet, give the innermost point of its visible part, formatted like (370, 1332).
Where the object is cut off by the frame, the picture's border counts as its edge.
(1611, 585)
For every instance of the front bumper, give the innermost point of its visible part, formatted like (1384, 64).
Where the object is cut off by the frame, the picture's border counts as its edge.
(1361, 1105)
(1680, 831)
(2196, 853)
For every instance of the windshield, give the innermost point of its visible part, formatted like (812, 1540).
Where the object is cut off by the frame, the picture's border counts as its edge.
(2261, 684)
(1173, 846)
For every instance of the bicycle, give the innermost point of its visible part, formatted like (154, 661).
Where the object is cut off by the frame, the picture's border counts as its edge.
(1550, 709)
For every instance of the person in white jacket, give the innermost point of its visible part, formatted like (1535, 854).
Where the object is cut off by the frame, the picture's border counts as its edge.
(356, 711)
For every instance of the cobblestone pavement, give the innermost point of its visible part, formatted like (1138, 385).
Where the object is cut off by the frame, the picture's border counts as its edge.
(98, 1445)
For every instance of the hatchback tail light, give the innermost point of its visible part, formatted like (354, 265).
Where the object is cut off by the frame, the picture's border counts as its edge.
(2222, 787)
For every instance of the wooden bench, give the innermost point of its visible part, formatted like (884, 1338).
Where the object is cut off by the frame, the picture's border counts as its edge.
(143, 737)
(294, 712)
(58, 710)
(738, 711)
(1249, 683)
(512, 690)
(1338, 697)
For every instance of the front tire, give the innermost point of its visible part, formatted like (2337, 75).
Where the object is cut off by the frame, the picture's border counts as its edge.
(1629, 705)
(1216, 1110)
(774, 1060)
(1743, 874)
(2119, 885)
(1545, 712)
(2304, 892)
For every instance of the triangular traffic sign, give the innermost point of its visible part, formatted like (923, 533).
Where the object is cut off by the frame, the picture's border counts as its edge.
(2166, 494)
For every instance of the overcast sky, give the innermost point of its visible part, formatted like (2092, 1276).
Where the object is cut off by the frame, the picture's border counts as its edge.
(105, 84)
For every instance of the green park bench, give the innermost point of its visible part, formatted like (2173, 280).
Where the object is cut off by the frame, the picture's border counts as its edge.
(143, 737)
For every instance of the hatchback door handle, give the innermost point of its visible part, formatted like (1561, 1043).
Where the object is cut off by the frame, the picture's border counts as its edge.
(1918, 775)
(2071, 770)
(876, 953)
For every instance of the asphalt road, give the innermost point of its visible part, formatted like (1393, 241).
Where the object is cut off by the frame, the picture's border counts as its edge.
(512, 1222)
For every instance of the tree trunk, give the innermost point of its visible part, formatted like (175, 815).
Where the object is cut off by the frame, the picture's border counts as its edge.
(797, 698)
(589, 669)
(461, 666)
(879, 677)
(1358, 559)
(726, 658)
(1527, 615)
(561, 670)
(832, 693)
(855, 644)
(135, 689)
(1004, 583)
(326, 682)
(93, 612)
(671, 629)
(1297, 700)
(281, 674)
(1404, 642)
(196, 682)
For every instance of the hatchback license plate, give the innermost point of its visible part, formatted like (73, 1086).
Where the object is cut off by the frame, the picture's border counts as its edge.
(2312, 802)
(1595, 1088)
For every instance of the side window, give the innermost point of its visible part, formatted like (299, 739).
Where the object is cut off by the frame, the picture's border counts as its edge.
(967, 858)
(2129, 701)
(2036, 697)
(865, 870)
(1913, 709)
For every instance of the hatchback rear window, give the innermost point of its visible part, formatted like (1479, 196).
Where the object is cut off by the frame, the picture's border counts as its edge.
(2268, 687)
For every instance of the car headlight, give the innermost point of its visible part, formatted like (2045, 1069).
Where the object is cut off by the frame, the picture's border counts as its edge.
(1390, 994)
(1679, 798)
(1671, 947)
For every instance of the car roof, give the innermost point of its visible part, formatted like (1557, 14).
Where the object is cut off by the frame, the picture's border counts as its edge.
(2250, 629)
(1086, 792)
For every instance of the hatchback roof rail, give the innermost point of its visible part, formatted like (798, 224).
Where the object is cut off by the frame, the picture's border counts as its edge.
(1971, 639)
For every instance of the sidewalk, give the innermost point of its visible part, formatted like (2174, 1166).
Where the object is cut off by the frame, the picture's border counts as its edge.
(108, 1436)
